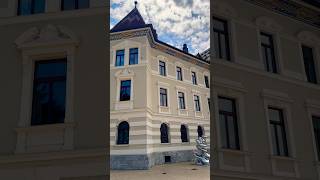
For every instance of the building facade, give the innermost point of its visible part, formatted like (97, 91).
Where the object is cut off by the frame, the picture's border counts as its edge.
(47, 90)
(158, 98)
(266, 98)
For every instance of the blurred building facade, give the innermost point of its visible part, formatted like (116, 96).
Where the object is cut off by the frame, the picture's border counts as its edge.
(47, 91)
(266, 98)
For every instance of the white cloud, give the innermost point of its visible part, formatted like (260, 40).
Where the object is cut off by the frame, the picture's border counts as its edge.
(181, 21)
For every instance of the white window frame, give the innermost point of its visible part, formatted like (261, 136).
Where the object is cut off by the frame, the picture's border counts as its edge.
(162, 108)
(44, 49)
(282, 101)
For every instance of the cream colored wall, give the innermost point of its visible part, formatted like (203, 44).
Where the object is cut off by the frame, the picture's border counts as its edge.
(87, 78)
(254, 89)
(144, 117)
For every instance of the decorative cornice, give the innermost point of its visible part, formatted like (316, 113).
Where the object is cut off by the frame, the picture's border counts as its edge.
(46, 36)
(291, 9)
(154, 44)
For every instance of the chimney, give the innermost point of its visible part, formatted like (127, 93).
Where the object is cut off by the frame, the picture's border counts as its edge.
(185, 48)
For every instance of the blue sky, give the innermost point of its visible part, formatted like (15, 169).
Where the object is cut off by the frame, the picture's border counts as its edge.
(176, 21)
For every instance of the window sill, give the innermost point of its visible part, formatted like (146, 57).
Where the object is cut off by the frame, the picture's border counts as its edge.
(45, 127)
(288, 158)
(234, 151)
(121, 145)
(164, 109)
(123, 105)
(165, 143)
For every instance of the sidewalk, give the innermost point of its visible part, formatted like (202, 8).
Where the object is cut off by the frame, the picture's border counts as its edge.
(175, 171)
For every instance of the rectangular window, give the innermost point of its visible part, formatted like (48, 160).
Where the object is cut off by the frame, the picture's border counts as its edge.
(278, 133)
(179, 73)
(125, 90)
(194, 78)
(209, 103)
(316, 130)
(197, 103)
(268, 55)
(163, 97)
(27, 7)
(133, 57)
(309, 64)
(162, 68)
(228, 123)
(182, 104)
(120, 58)
(221, 48)
(49, 92)
(206, 81)
(74, 4)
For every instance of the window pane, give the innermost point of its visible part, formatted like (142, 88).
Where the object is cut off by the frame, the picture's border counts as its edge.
(40, 107)
(133, 57)
(225, 105)
(164, 133)
(223, 46)
(194, 78)
(316, 128)
(125, 90)
(218, 24)
(232, 133)
(83, 4)
(309, 64)
(39, 6)
(281, 141)
(50, 69)
(24, 7)
(206, 81)
(216, 49)
(184, 134)
(119, 58)
(68, 4)
(220, 38)
(265, 39)
(162, 68)
(275, 115)
(223, 131)
(49, 92)
(274, 139)
(179, 73)
(123, 133)
(58, 100)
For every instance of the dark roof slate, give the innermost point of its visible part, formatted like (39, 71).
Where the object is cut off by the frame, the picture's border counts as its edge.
(134, 20)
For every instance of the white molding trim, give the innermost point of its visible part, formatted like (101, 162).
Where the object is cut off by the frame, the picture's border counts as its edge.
(36, 45)
(282, 101)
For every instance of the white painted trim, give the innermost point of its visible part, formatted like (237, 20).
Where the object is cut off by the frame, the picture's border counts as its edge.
(31, 52)
(282, 102)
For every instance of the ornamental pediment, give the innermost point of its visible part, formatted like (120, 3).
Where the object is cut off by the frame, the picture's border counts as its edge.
(44, 36)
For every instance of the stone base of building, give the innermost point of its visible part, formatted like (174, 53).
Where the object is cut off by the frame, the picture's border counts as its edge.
(146, 161)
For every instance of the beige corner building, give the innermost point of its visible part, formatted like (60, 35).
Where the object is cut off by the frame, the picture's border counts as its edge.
(51, 96)
(266, 73)
(158, 98)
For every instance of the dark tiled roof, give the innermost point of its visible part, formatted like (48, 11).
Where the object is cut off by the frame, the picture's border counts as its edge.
(134, 20)
(205, 55)
(313, 2)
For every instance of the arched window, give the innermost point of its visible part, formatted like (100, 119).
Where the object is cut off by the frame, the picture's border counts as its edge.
(123, 133)
(200, 131)
(184, 133)
(164, 130)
